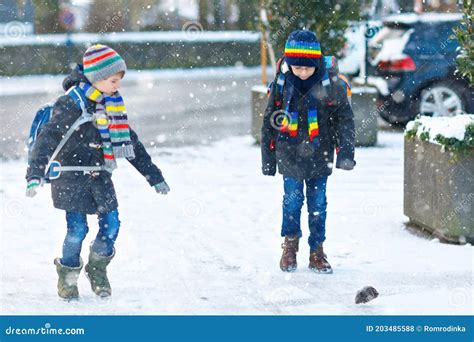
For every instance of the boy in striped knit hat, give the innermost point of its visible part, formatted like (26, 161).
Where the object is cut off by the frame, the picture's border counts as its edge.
(305, 117)
(82, 184)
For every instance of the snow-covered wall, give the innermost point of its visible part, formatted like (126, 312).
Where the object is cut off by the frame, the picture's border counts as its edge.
(133, 37)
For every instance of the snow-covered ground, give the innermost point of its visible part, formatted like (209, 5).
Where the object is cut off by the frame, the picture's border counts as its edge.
(212, 246)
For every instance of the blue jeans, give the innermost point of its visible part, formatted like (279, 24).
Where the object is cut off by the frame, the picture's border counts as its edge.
(316, 201)
(77, 230)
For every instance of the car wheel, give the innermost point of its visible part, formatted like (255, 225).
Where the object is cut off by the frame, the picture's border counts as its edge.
(441, 99)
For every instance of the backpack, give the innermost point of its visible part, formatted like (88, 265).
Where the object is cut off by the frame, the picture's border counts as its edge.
(331, 75)
(42, 117)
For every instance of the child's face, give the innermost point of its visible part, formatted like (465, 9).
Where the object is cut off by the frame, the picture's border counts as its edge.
(302, 72)
(110, 85)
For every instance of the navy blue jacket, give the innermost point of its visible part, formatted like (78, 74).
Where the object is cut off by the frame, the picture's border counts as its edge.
(76, 191)
(305, 159)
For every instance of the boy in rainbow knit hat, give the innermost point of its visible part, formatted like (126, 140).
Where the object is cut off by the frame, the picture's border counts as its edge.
(301, 126)
(83, 184)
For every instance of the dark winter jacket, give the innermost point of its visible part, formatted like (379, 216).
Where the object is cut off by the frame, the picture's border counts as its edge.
(307, 159)
(76, 191)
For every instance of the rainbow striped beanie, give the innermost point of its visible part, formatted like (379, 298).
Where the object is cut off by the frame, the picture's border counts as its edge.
(101, 62)
(303, 49)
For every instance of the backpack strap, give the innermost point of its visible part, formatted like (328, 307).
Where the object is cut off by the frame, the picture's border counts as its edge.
(80, 121)
(79, 98)
(280, 60)
(347, 84)
(282, 71)
(326, 86)
(331, 68)
(56, 169)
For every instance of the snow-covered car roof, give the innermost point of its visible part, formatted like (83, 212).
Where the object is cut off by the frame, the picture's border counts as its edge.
(412, 18)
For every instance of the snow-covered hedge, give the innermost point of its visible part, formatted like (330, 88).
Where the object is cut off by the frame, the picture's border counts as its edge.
(51, 54)
(455, 133)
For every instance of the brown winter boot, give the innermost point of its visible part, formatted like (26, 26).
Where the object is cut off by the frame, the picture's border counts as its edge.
(288, 259)
(318, 261)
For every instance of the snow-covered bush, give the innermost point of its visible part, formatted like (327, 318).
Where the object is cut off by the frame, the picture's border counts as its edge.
(455, 134)
(464, 33)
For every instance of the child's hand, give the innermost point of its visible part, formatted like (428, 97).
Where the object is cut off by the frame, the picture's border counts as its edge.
(269, 170)
(32, 186)
(162, 188)
(345, 164)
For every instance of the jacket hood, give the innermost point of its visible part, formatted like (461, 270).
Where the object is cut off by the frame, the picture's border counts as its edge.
(75, 77)
(303, 86)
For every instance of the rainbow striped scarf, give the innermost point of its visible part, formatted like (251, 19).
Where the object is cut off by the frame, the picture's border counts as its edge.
(289, 123)
(112, 122)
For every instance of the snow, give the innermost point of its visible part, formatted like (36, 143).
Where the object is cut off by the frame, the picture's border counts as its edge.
(411, 18)
(378, 82)
(448, 127)
(363, 90)
(392, 49)
(212, 245)
(184, 36)
(260, 88)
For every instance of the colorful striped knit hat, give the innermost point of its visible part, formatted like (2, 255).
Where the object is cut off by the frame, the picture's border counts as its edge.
(303, 49)
(101, 62)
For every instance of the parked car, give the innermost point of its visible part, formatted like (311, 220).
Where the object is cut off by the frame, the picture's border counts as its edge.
(353, 52)
(412, 64)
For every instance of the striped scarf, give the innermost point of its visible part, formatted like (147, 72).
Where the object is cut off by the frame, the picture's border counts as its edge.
(290, 124)
(293, 91)
(112, 122)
